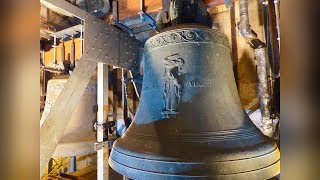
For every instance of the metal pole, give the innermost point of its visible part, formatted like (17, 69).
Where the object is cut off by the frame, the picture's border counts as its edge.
(262, 59)
(102, 101)
(62, 51)
(276, 3)
(73, 164)
(134, 84)
(124, 96)
(72, 54)
(42, 57)
(105, 115)
(55, 49)
(100, 92)
(142, 5)
(81, 39)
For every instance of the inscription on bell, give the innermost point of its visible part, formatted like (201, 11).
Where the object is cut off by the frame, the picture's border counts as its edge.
(150, 88)
(199, 84)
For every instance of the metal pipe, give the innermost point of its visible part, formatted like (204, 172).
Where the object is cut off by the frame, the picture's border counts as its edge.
(50, 69)
(142, 5)
(100, 103)
(73, 164)
(72, 53)
(134, 84)
(263, 91)
(62, 51)
(55, 49)
(261, 57)
(125, 97)
(81, 39)
(276, 4)
(244, 25)
(42, 58)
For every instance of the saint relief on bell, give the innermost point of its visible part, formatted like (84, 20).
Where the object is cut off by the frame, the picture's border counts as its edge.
(172, 88)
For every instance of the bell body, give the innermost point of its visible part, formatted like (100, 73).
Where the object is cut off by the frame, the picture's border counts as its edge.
(190, 122)
(79, 135)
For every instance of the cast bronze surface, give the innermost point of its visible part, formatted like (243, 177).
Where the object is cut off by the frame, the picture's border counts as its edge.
(190, 122)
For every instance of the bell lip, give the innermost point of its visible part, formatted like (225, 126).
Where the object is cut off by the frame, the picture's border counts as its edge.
(266, 165)
(266, 172)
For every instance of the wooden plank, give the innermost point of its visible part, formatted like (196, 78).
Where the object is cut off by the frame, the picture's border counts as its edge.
(129, 8)
(57, 120)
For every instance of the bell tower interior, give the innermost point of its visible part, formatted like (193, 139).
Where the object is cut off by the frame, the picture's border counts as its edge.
(160, 89)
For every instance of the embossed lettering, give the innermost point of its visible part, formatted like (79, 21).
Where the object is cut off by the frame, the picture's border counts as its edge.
(198, 84)
(150, 88)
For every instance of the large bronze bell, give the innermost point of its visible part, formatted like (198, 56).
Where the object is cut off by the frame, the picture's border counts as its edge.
(190, 122)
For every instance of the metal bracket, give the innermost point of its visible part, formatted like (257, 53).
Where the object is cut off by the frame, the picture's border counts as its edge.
(122, 26)
(146, 18)
(100, 145)
(99, 127)
(256, 43)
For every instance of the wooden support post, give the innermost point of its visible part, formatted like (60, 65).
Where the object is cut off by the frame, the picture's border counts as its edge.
(57, 120)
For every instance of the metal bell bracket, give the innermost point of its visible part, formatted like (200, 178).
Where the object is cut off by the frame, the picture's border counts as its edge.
(104, 126)
(100, 145)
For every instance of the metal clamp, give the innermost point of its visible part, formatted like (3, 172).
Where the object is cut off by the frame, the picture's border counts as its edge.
(98, 127)
(146, 18)
(256, 43)
(100, 145)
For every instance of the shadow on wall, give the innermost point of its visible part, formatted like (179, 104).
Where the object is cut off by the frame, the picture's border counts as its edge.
(247, 81)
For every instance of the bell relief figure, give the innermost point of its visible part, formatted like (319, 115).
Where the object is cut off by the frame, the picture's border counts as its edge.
(172, 89)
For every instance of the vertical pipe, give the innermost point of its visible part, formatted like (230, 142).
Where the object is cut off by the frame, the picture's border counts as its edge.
(43, 88)
(124, 96)
(276, 4)
(62, 58)
(262, 60)
(263, 91)
(115, 92)
(72, 53)
(100, 103)
(42, 57)
(73, 164)
(81, 39)
(134, 84)
(55, 49)
(105, 115)
(142, 5)
(273, 34)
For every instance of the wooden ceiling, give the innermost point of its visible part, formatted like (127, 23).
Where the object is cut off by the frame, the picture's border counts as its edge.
(128, 8)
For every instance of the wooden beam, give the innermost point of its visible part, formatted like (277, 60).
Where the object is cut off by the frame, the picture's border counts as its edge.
(57, 120)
